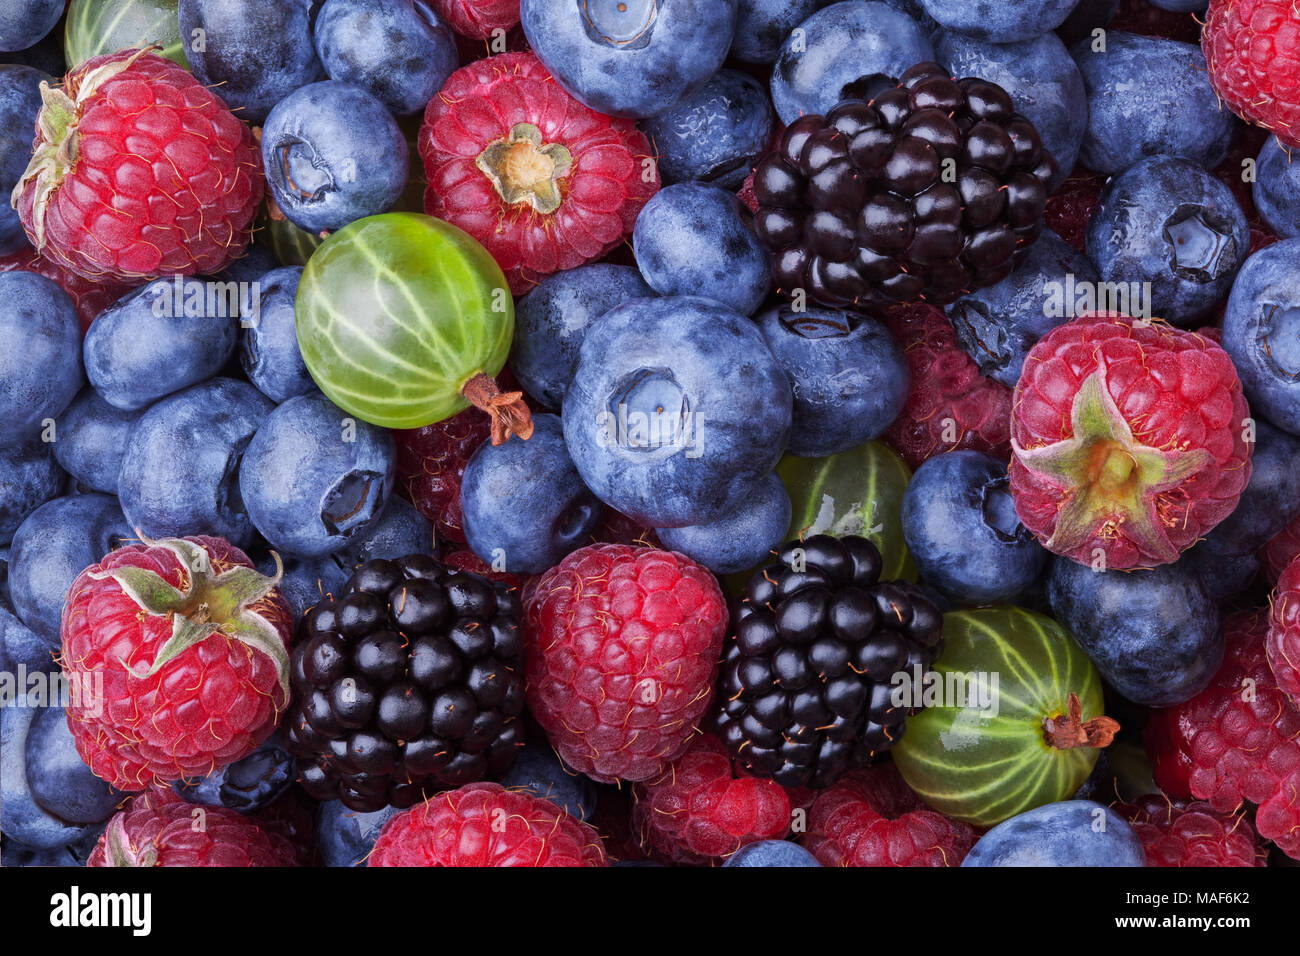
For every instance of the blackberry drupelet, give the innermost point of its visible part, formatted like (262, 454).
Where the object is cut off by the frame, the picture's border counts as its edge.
(929, 190)
(806, 677)
(409, 682)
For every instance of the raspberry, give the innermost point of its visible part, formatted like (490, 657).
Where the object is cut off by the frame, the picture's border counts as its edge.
(1283, 642)
(1236, 741)
(1252, 48)
(155, 831)
(484, 824)
(1126, 440)
(1072, 205)
(478, 18)
(542, 181)
(701, 810)
(431, 464)
(622, 650)
(1282, 549)
(1191, 833)
(951, 405)
(872, 818)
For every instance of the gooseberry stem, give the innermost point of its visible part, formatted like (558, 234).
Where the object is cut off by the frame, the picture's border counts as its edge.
(508, 410)
(1068, 731)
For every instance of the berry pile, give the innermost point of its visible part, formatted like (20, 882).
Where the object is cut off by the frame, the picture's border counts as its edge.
(665, 432)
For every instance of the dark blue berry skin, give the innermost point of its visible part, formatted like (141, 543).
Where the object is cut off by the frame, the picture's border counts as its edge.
(346, 837)
(256, 53)
(1261, 332)
(20, 646)
(846, 49)
(25, 23)
(269, 351)
(1276, 190)
(763, 25)
(24, 819)
(333, 154)
(552, 320)
(92, 437)
(1086, 17)
(999, 324)
(398, 51)
(540, 772)
(1153, 634)
(159, 339)
(246, 785)
(40, 355)
(256, 262)
(848, 376)
(58, 541)
(960, 524)
(1224, 576)
(525, 505)
(1180, 6)
(61, 783)
(998, 21)
(20, 101)
(689, 239)
(771, 853)
(75, 853)
(180, 472)
(716, 134)
(1150, 96)
(631, 58)
(313, 477)
(1069, 833)
(741, 539)
(29, 477)
(677, 366)
(1042, 80)
(1168, 222)
(1271, 499)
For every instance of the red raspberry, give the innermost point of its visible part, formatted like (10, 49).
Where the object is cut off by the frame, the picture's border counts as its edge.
(478, 18)
(542, 181)
(484, 824)
(1283, 642)
(1282, 549)
(1127, 440)
(181, 651)
(163, 180)
(467, 560)
(623, 648)
(91, 298)
(1072, 205)
(951, 405)
(431, 464)
(159, 832)
(870, 817)
(1236, 741)
(1252, 48)
(701, 809)
(1191, 834)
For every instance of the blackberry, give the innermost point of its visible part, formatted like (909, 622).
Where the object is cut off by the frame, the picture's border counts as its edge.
(806, 678)
(408, 683)
(928, 191)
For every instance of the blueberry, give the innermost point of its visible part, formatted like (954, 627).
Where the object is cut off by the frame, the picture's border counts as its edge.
(763, 25)
(91, 440)
(1223, 576)
(999, 324)
(524, 503)
(1087, 16)
(57, 542)
(40, 354)
(997, 20)
(75, 853)
(255, 53)
(248, 784)
(772, 853)
(537, 770)
(1149, 96)
(961, 527)
(256, 262)
(25, 23)
(269, 352)
(1069, 833)
(20, 646)
(400, 530)
(677, 407)
(1167, 222)
(630, 57)
(180, 472)
(848, 376)
(552, 319)
(1152, 634)
(24, 819)
(1042, 80)
(1271, 499)
(1277, 189)
(346, 837)
(313, 477)
(743, 537)
(689, 239)
(20, 101)
(1180, 6)
(61, 783)
(847, 49)
(29, 477)
(1261, 332)
(333, 154)
(716, 134)
(307, 580)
